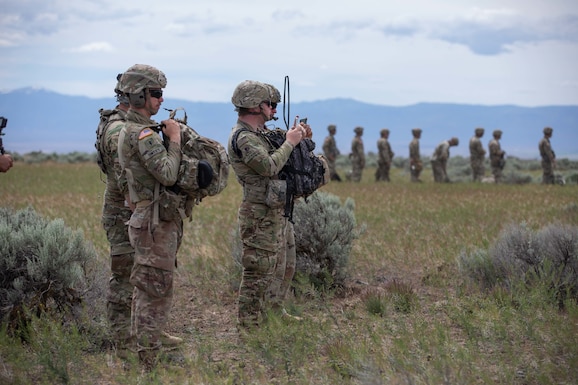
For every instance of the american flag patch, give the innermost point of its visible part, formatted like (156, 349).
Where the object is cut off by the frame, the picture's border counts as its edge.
(144, 133)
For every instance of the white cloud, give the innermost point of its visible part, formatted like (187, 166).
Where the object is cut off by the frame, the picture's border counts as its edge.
(97, 46)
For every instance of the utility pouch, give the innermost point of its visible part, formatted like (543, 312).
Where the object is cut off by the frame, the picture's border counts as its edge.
(276, 194)
(169, 204)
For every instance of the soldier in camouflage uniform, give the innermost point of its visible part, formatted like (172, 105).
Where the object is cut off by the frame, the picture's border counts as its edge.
(548, 157)
(497, 160)
(357, 155)
(384, 157)
(439, 160)
(415, 164)
(262, 226)
(115, 214)
(477, 154)
(331, 151)
(155, 227)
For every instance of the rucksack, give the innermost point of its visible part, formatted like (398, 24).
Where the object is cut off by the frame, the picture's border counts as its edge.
(195, 147)
(304, 171)
(105, 120)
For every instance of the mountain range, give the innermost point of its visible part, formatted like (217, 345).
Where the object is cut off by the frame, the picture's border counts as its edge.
(42, 120)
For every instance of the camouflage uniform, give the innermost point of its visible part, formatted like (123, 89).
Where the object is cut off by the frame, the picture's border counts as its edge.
(497, 161)
(477, 154)
(415, 164)
(357, 155)
(155, 226)
(548, 157)
(439, 160)
(115, 215)
(331, 152)
(384, 157)
(262, 228)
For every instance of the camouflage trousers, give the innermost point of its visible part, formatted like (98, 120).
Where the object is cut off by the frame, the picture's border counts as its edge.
(439, 171)
(547, 172)
(356, 171)
(478, 170)
(285, 268)
(497, 173)
(152, 276)
(262, 233)
(415, 170)
(119, 295)
(382, 172)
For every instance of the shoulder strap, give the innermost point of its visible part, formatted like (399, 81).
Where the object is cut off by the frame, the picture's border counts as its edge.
(236, 148)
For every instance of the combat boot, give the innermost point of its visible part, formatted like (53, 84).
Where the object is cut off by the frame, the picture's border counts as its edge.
(169, 341)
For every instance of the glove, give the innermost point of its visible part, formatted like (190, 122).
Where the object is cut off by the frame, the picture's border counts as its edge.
(204, 174)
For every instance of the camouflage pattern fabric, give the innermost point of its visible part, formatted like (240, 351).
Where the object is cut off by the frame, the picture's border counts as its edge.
(439, 162)
(357, 158)
(384, 159)
(415, 164)
(285, 268)
(115, 214)
(548, 160)
(497, 161)
(477, 154)
(331, 153)
(262, 228)
(147, 162)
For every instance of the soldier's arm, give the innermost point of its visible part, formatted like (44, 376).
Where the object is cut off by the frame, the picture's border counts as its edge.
(255, 154)
(162, 163)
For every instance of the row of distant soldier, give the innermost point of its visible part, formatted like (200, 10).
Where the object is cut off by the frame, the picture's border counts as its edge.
(439, 158)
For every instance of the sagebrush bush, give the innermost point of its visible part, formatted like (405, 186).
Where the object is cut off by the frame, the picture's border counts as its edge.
(324, 234)
(43, 269)
(547, 257)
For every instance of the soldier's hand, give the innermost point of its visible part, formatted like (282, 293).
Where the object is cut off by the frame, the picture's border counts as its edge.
(172, 129)
(308, 130)
(295, 134)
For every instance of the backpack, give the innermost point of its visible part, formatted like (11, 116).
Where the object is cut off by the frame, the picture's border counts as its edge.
(304, 171)
(105, 120)
(195, 147)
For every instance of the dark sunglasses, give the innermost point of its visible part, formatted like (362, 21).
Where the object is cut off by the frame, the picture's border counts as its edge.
(156, 93)
(271, 104)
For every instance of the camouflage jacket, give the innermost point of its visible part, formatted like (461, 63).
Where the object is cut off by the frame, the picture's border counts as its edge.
(442, 152)
(546, 150)
(330, 148)
(259, 161)
(142, 152)
(477, 151)
(414, 154)
(496, 153)
(357, 150)
(385, 155)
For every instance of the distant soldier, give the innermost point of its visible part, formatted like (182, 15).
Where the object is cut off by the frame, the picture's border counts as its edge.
(440, 158)
(357, 155)
(415, 164)
(497, 156)
(477, 154)
(384, 157)
(548, 157)
(331, 151)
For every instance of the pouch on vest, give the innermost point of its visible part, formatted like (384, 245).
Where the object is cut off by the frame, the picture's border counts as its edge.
(276, 195)
(169, 204)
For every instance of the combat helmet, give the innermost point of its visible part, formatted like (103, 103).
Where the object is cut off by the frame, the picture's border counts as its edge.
(416, 131)
(250, 93)
(331, 128)
(120, 96)
(140, 77)
(358, 130)
(385, 131)
(274, 93)
(455, 140)
(548, 130)
(497, 133)
(479, 131)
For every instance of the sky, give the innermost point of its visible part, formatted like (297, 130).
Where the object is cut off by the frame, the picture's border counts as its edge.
(394, 53)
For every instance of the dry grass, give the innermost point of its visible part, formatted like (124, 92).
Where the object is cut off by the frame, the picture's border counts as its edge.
(451, 333)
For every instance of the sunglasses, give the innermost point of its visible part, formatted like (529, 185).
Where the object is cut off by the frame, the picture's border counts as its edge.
(156, 93)
(271, 104)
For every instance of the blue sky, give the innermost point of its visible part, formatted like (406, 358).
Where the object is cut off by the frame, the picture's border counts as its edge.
(389, 53)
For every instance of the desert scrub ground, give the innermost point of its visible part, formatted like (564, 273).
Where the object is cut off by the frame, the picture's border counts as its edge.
(407, 315)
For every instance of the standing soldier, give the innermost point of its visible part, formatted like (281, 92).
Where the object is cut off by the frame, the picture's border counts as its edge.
(548, 157)
(439, 160)
(357, 155)
(497, 156)
(477, 153)
(331, 151)
(115, 215)
(155, 227)
(415, 164)
(262, 224)
(384, 157)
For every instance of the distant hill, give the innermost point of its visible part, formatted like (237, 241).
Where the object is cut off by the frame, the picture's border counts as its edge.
(40, 120)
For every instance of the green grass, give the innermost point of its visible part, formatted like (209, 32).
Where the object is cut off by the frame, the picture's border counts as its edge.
(408, 318)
